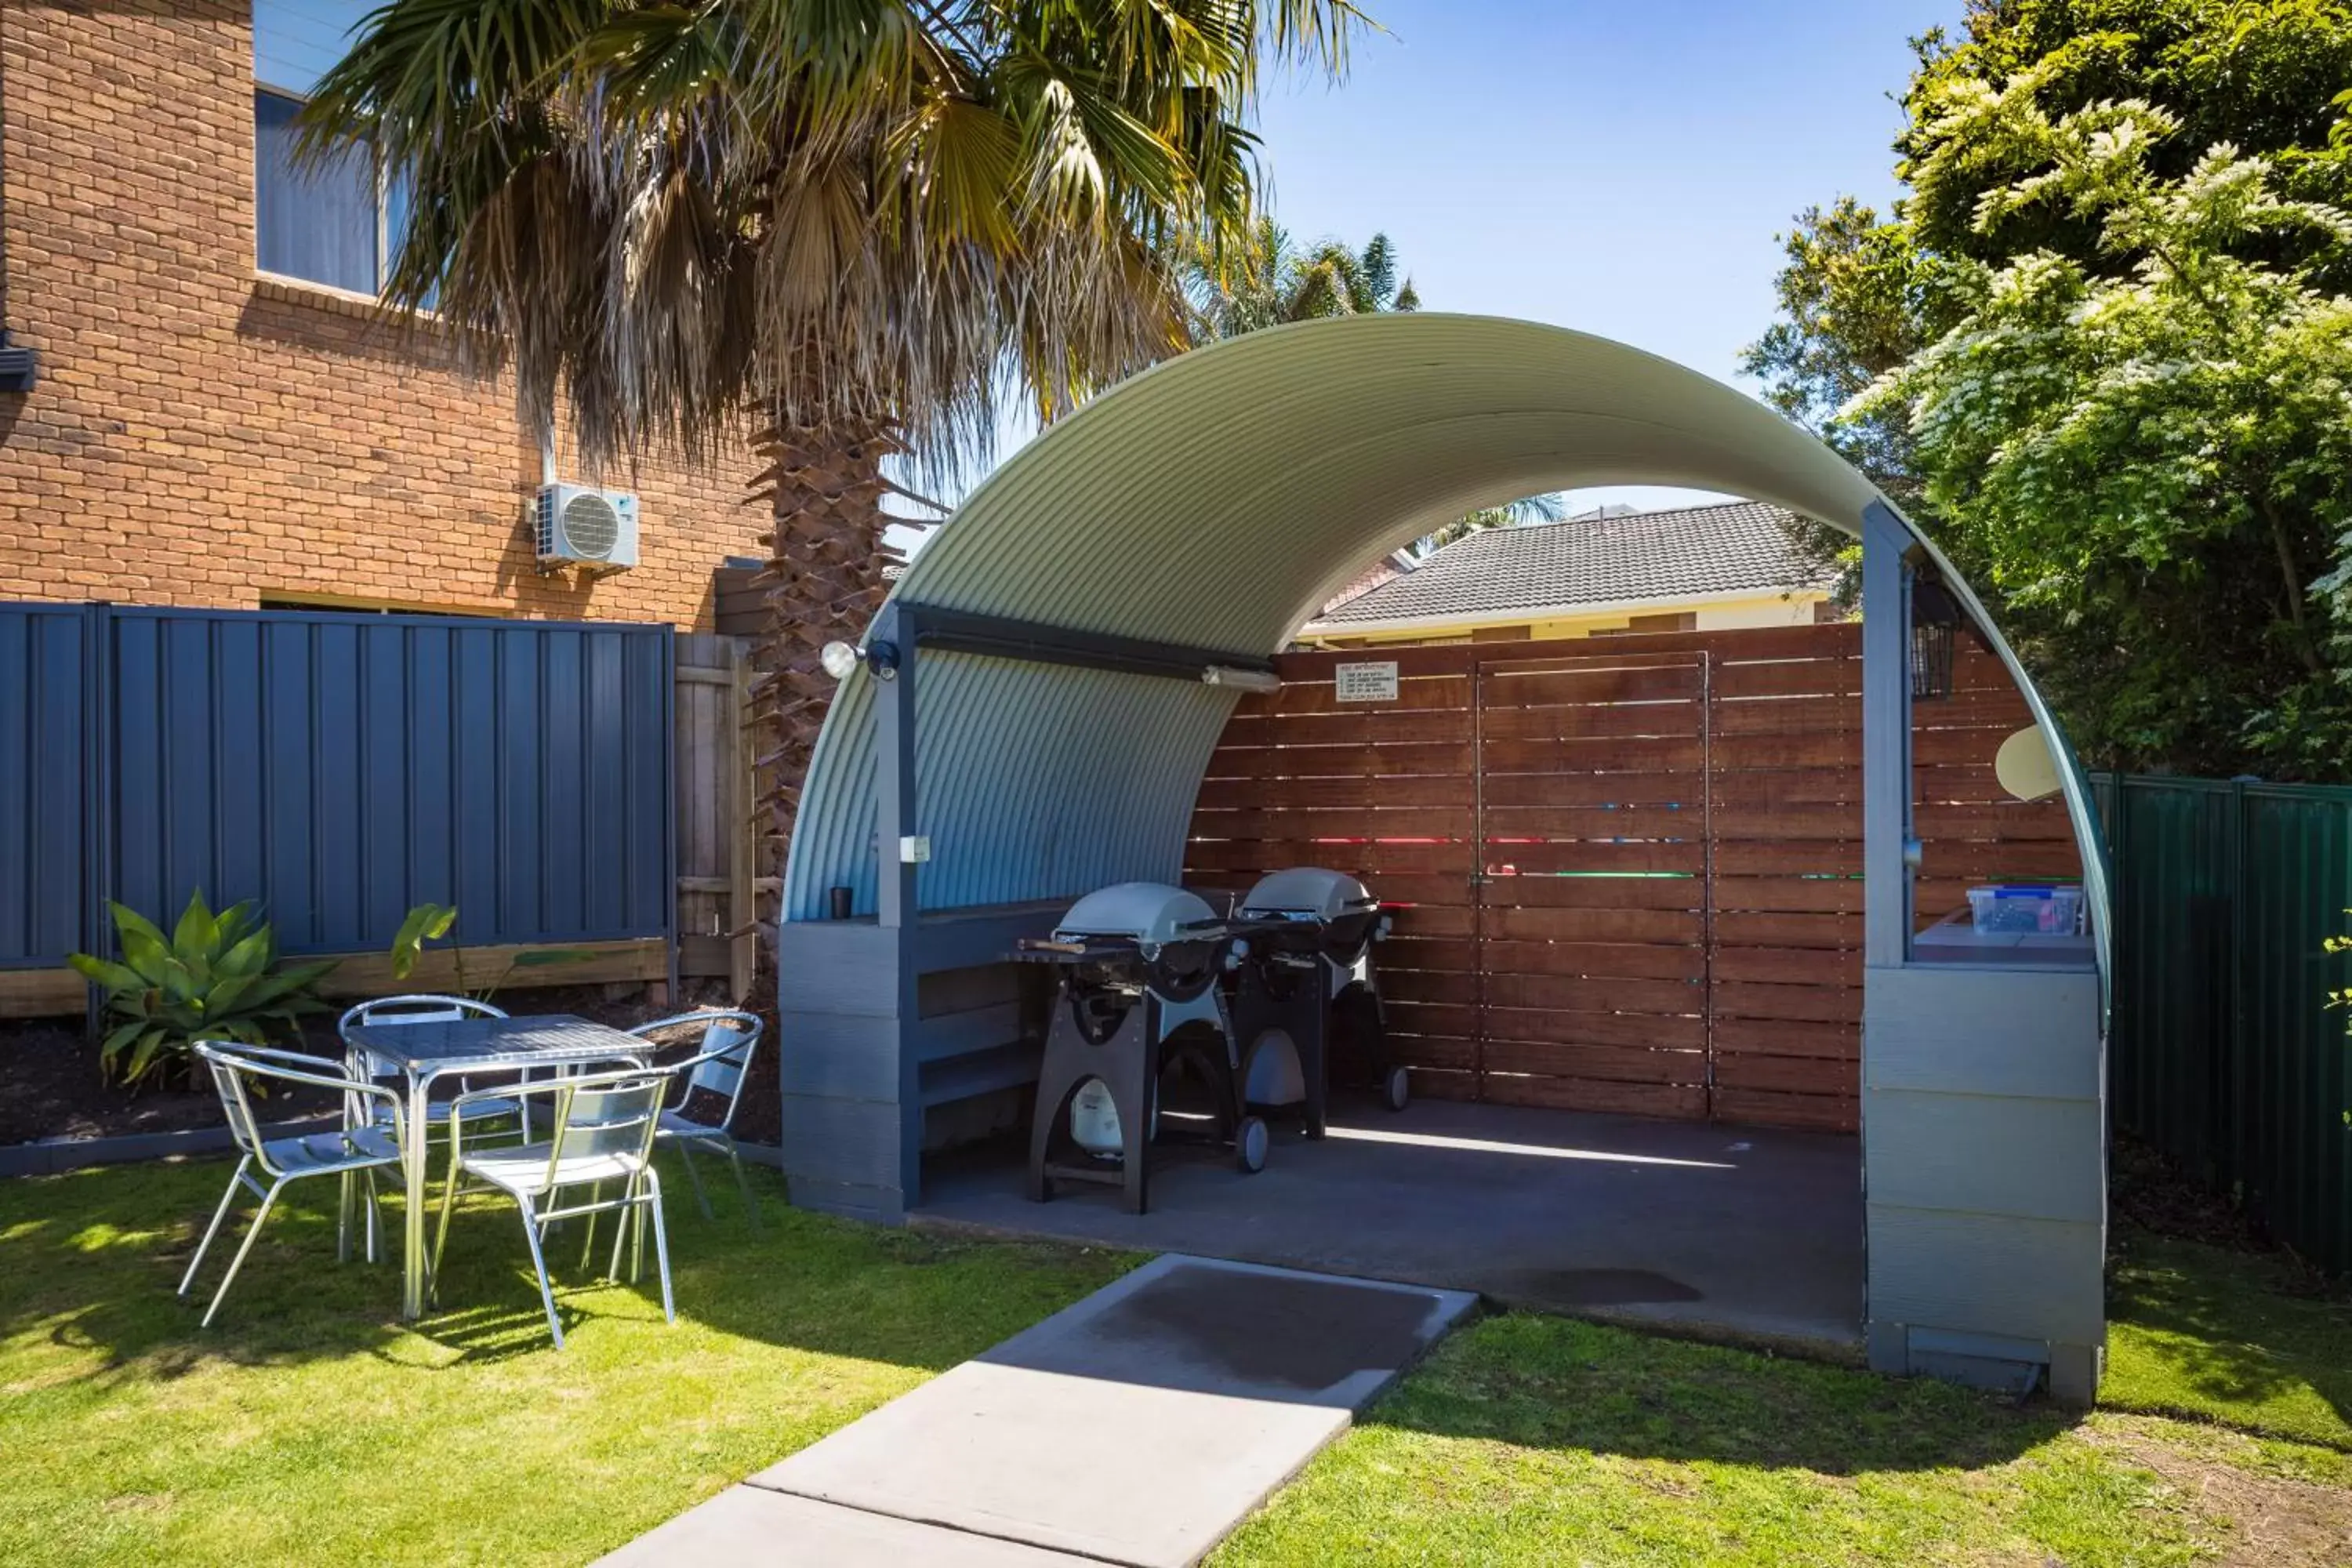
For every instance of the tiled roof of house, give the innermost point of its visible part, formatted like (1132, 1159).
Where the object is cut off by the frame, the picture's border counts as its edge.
(1735, 547)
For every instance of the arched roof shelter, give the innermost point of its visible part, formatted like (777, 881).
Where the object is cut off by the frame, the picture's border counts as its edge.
(1198, 515)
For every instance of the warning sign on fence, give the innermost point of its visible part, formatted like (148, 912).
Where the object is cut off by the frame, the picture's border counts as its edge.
(1365, 682)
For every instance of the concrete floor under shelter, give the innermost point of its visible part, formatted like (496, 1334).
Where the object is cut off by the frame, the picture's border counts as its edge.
(1741, 1231)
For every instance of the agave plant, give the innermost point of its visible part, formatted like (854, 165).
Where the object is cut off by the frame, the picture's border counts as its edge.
(215, 977)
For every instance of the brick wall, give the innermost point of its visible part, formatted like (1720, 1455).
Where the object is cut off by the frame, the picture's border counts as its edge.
(203, 436)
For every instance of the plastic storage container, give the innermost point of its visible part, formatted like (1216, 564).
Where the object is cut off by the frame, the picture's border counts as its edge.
(2056, 911)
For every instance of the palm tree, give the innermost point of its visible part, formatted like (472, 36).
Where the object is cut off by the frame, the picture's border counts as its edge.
(1271, 281)
(845, 228)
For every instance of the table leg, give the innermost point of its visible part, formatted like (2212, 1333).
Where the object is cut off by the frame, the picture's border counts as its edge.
(412, 1265)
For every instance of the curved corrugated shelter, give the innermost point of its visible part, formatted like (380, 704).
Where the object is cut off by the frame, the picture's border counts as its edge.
(1217, 501)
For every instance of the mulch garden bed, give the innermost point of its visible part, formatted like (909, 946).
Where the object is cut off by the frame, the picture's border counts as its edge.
(50, 1086)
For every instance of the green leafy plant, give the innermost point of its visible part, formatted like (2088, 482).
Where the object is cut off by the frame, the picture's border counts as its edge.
(426, 923)
(214, 977)
(433, 922)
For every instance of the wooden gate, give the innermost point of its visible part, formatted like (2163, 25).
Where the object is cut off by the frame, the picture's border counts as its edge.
(1632, 866)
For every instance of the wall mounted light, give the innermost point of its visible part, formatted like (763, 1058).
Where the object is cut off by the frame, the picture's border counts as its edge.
(1241, 679)
(1935, 617)
(838, 658)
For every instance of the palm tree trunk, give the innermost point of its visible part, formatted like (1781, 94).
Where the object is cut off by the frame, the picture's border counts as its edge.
(824, 580)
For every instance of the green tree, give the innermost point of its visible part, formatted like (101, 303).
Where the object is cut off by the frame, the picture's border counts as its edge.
(848, 228)
(2153, 467)
(2136, 651)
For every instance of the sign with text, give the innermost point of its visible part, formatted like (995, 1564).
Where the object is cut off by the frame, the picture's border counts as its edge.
(1365, 682)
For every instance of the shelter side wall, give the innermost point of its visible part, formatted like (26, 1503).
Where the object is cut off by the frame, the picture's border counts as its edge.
(1984, 1165)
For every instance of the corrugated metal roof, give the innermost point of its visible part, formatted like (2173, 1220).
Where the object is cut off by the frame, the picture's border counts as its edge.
(1730, 548)
(1218, 500)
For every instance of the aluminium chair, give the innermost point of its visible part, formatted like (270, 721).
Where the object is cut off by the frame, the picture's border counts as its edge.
(360, 1150)
(601, 1130)
(420, 1008)
(729, 1039)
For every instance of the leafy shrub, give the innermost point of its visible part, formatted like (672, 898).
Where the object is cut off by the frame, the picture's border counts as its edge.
(215, 977)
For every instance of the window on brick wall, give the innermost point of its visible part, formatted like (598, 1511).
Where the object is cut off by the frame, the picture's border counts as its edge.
(331, 225)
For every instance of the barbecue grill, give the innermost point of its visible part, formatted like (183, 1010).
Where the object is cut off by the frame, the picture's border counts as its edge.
(1139, 1001)
(1310, 979)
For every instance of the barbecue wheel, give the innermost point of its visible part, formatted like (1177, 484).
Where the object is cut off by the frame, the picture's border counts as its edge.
(1397, 1091)
(1250, 1140)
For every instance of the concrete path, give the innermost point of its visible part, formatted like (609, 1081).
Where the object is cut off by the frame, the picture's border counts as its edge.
(1746, 1231)
(1139, 1426)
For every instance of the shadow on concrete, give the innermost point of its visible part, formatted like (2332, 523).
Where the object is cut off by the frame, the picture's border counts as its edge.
(1748, 1234)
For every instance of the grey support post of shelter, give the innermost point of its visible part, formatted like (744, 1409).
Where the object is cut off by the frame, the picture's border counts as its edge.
(1983, 1171)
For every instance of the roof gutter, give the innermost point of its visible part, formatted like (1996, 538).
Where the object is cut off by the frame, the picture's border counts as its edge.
(1514, 614)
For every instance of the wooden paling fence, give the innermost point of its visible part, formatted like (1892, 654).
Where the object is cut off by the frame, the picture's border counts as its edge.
(1631, 866)
(720, 881)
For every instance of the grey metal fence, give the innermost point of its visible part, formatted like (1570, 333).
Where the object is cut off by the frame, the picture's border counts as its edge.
(338, 768)
(2225, 1052)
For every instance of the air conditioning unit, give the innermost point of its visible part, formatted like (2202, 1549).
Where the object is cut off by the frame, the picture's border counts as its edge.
(582, 527)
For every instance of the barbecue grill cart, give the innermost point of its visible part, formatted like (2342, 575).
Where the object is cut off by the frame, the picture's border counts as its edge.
(1308, 976)
(1139, 967)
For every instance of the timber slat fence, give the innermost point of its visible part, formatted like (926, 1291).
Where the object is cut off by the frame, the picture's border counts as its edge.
(1633, 864)
(2224, 1053)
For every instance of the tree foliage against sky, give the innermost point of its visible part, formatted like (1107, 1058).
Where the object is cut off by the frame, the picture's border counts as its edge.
(2102, 346)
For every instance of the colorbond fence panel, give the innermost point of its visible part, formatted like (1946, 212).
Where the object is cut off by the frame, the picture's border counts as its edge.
(338, 769)
(1631, 866)
(44, 692)
(342, 769)
(2225, 1052)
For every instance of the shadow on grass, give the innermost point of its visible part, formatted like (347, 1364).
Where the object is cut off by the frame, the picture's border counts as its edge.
(1539, 1382)
(90, 1261)
(2245, 1338)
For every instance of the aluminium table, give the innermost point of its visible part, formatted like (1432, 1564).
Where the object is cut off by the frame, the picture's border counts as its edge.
(426, 1051)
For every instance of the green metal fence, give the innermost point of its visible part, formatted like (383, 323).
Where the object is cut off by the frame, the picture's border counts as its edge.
(2224, 1053)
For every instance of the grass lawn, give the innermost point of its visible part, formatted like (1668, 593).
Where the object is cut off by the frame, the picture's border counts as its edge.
(308, 1426)
(1528, 1439)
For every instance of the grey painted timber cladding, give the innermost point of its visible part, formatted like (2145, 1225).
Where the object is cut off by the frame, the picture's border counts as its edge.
(46, 688)
(1984, 1156)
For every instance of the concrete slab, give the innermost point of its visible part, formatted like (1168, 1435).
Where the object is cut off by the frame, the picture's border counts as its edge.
(747, 1526)
(1141, 1424)
(1748, 1232)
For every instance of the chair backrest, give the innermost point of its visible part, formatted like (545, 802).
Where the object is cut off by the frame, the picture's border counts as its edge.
(607, 1113)
(729, 1039)
(229, 1072)
(422, 1008)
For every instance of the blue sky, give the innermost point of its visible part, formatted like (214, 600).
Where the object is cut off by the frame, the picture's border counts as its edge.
(1619, 167)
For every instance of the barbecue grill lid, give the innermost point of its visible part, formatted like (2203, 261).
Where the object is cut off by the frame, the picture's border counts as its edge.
(1145, 912)
(1309, 891)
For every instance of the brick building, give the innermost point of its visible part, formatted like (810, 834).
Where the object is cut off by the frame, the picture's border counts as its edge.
(218, 418)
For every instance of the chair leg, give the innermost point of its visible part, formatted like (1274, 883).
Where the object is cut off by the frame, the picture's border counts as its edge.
(237, 1262)
(220, 1213)
(345, 1185)
(626, 1222)
(661, 1244)
(588, 1241)
(441, 1234)
(742, 1185)
(701, 1198)
(374, 1217)
(539, 1263)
